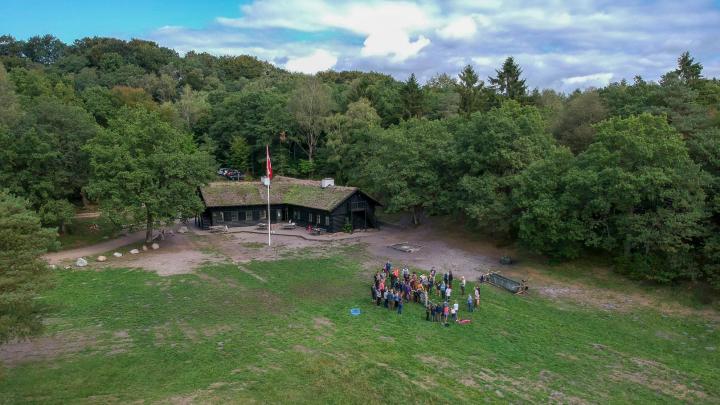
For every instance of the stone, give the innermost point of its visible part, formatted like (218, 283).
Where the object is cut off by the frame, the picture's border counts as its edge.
(134, 251)
(155, 246)
(183, 229)
(144, 248)
(117, 254)
(81, 262)
(101, 258)
(52, 267)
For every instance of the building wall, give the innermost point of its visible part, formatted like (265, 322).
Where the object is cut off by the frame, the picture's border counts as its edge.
(331, 221)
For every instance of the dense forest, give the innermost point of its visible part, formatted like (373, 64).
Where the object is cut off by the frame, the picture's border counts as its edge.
(630, 171)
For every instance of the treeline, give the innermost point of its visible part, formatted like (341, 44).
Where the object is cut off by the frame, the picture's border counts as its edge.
(631, 170)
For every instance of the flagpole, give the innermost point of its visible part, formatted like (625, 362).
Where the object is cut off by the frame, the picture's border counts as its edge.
(268, 177)
(268, 190)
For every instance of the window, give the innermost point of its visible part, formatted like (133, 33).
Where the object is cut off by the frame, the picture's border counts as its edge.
(319, 217)
(218, 217)
(279, 215)
(327, 220)
(248, 215)
(263, 214)
(234, 216)
(310, 217)
(296, 215)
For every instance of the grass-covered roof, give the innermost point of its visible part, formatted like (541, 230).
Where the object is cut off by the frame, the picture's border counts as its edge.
(283, 190)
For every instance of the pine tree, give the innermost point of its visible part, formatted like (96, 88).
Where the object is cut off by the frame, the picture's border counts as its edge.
(508, 82)
(22, 273)
(688, 70)
(469, 88)
(412, 98)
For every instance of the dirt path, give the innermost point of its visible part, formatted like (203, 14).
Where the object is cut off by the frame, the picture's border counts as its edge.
(72, 254)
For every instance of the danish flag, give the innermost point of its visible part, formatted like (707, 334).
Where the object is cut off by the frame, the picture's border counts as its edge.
(268, 165)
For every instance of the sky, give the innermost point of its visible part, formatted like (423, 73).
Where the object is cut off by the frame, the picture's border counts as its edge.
(559, 44)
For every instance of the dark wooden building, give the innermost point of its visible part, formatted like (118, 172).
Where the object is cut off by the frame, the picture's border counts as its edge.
(304, 202)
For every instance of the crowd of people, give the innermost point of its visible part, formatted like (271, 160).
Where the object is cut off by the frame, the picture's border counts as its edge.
(393, 287)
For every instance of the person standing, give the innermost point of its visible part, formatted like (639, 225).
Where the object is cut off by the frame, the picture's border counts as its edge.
(427, 312)
(448, 291)
(450, 278)
(477, 296)
(400, 305)
(470, 303)
(462, 286)
(443, 287)
(446, 312)
(455, 310)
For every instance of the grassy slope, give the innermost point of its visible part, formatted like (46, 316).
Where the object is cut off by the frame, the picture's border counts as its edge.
(277, 346)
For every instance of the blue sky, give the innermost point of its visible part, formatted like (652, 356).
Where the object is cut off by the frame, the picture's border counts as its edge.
(560, 44)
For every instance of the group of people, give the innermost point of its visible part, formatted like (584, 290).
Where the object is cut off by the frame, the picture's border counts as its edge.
(393, 287)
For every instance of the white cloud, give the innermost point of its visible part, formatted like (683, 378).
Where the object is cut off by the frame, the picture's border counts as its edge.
(317, 61)
(459, 28)
(593, 79)
(561, 44)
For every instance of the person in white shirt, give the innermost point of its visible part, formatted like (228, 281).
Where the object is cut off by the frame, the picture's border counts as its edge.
(455, 309)
(462, 286)
(447, 293)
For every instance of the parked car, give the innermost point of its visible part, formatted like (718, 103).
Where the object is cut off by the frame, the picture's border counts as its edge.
(233, 174)
(221, 171)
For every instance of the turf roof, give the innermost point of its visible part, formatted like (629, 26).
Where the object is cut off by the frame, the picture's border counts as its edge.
(283, 190)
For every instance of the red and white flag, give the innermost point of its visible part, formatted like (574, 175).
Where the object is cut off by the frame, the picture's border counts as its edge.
(268, 165)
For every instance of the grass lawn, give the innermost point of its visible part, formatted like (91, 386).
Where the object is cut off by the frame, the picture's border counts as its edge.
(82, 232)
(281, 332)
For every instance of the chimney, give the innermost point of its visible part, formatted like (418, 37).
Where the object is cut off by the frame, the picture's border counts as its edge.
(327, 182)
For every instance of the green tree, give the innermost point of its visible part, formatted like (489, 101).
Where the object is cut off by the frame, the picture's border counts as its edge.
(493, 149)
(144, 169)
(240, 154)
(24, 274)
(688, 70)
(442, 98)
(10, 111)
(469, 87)
(507, 81)
(412, 98)
(408, 166)
(348, 140)
(574, 125)
(641, 197)
(57, 213)
(310, 105)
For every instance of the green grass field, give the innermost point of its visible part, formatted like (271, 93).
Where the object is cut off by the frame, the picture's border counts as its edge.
(281, 332)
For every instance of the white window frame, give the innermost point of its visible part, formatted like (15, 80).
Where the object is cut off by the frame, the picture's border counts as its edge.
(310, 217)
(327, 220)
(318, 220)
(248, 215)
(263, 214)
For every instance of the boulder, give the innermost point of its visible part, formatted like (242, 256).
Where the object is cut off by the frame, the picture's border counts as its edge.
(117, 254)
(81, 262)
(183, 229)
(144, 248)
(101, 258)
(134, 251)
(52, 267)
(155, 246)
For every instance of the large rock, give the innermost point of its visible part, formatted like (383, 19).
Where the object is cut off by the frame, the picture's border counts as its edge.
(134, 251)
(144, 248)
(155, 246)
(101, 258)
(117, 254)
(183, 229)
(81, 262)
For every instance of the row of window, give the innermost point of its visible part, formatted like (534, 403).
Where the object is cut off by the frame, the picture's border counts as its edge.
(235, 216)
(319, 218)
